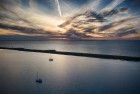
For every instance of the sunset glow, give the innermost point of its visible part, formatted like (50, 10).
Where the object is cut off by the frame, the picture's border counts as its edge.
(93, 18)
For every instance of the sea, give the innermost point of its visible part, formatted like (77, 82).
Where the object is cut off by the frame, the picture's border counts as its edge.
(69, 74)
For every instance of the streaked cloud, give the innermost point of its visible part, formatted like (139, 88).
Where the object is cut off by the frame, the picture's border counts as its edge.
(83, 21)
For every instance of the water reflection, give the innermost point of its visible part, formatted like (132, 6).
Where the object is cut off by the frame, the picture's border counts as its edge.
(124, 48)
(66, 75)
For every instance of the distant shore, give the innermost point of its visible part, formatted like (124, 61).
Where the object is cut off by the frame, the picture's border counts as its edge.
(102, 56)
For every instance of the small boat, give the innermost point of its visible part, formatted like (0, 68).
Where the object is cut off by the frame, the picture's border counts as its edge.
(38, 80)
(50, 59)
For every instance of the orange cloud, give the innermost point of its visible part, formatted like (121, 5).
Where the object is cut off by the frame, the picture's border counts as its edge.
(10, 32)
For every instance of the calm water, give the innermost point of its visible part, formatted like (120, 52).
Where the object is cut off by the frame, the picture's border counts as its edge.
(69, 74)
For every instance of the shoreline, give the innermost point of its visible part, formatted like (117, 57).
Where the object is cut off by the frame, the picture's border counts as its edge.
(101, 56)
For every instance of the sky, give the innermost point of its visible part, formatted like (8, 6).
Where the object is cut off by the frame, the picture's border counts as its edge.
(69, 19)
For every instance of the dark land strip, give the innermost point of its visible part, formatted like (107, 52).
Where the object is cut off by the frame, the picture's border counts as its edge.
(102, 56)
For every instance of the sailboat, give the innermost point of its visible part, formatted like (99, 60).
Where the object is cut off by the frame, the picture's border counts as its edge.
(50, 59)
(38, 80)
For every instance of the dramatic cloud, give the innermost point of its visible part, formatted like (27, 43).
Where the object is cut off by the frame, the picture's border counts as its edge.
(68, 19)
